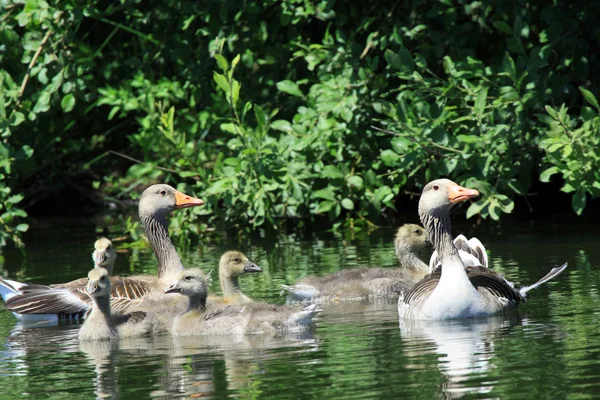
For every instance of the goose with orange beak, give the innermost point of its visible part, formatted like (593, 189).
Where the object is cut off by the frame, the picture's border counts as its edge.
(453, 291)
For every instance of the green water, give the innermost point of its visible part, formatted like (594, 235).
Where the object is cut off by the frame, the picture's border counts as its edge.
(550, 348)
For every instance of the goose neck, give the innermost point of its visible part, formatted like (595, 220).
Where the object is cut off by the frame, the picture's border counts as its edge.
(197, 302)
(157, 231)
(101, 309)
(229, 284)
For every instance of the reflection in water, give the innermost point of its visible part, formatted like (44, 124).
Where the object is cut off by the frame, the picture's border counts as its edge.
(465, 347)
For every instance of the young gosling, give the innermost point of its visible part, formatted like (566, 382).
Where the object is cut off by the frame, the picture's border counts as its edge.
(104, 254)
(253, 318)
(231, 266)
(100, 324)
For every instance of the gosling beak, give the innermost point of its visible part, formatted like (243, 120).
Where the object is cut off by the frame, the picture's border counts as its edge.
(457, 193)
(99, 257)
(249, 266)
(92, 287)
(174, 288)
(182, 200)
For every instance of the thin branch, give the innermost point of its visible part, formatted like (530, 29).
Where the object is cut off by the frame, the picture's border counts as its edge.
(31, 65)
(125, 156)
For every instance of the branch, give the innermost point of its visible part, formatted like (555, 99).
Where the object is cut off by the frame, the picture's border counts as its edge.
(31, 65)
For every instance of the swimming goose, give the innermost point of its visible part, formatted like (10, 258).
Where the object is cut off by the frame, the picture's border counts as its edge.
(231, 265)
(252, 318)
(453, 291)
(129, 293)
(368, 283)
(100, 324)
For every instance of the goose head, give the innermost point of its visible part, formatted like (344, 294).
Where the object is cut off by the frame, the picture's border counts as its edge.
(161, 199)
(191, 282)
(235, 263)
(104, 254)
(98, 283)
(439, 196)
(411, 237)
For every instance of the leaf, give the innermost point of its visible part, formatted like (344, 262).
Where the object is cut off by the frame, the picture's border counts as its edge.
(325, 194)
(331, 172)
(325, 206)
(282, 125)
(546, 174)
(348, 204)
(508, 65)
(68, 102)
(589, 97)
(222, 82)
(390, 158)
(579, 201)
(22, 227)
(289, 87)
(480, 102)
(469, 138)
(476, 207)
(401, 61)
(23, 153)
(356, 181)
(502, 27)
(43, 103)
(222, 62)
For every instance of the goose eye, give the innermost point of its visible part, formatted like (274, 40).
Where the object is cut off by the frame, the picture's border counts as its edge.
(108, 247)
(236, 260)
(417, 232)
(187, 278)
(163, 192)
(435, 187)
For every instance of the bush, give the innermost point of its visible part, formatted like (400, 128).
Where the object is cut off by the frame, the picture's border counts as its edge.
(296, 109)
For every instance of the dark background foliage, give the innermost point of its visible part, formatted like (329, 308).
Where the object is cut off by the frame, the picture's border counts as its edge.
(276, 111)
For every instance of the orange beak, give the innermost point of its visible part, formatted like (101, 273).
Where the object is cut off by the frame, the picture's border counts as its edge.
(457, 193)
(182, 200)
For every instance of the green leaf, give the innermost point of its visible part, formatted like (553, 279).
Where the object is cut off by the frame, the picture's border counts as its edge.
(325, 194)
(579, 201)
(348, 204)
(469, 138)
(480, 102)
(502, 27)
(476, 207)
(23, 153)
(325, 206)
(289, 87)
(222, 82)
(22, 227)
(68, 102)
(282, 125)
(332, 172)
(356, 181)
(401, 61)
(589, 97)
(546, 174)
(222, 62)
(390, 158)
(43, 103)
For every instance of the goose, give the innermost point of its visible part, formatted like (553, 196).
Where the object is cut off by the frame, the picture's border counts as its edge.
(454, 291)
(128, 294)
(100, 324)
(104, 256)
(231, 265)
(252, 318)
(368, 283)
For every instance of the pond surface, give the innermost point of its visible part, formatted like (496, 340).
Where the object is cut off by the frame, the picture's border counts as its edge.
(550, 348)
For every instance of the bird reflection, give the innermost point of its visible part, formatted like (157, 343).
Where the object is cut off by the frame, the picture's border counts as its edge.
(102, 355)
(465, 347)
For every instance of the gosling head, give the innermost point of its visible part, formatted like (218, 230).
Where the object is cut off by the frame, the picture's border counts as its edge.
(235, 263)
(190, 282)
(98, 283)
(104, 254)
(410, 237)
(161, 199)
(440, 195)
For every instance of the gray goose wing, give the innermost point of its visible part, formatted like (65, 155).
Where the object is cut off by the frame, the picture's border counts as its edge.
(486, 280)
(423, 288)
(126, 292)
(40, 299)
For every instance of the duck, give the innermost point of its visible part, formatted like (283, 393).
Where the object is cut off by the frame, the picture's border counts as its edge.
(454, 291)
(128, 294)
(232, 265)
(243, 319)
(355, 284)
(100, 324)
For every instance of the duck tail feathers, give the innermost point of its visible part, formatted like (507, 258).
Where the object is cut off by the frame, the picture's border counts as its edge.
(550, 275)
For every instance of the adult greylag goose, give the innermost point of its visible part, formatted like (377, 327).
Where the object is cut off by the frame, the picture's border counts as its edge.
(128, 293)
(453, 291)
(368, 283)
(100, 324)
(251, 318)
(232, 265)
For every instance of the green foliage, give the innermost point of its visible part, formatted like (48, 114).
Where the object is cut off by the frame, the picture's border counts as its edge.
(296, 109)
(571, 147)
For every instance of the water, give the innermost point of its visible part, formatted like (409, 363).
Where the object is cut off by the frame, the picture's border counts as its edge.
(549, 348)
